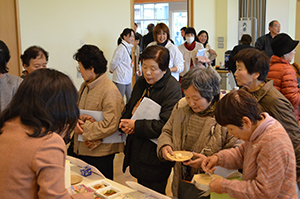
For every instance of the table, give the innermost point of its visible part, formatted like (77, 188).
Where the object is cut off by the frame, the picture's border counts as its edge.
(75, 170)
(227, 80)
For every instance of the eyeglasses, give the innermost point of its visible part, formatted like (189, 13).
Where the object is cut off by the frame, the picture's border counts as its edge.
(78, 68)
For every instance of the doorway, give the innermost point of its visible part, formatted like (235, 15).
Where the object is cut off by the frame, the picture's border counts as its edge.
(173, 13)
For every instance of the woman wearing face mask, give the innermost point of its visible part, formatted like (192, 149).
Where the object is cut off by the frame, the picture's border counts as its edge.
(189, 50)
(121, 63)
(161, 35)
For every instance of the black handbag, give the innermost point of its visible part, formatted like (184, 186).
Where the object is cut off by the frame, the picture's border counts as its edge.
(187, 190)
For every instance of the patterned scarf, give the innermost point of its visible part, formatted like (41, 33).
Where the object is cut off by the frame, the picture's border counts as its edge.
(209, 111)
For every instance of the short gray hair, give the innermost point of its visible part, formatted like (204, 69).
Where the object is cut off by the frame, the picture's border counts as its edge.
(204, 80)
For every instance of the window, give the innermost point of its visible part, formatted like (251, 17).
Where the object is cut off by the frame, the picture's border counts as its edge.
(145, 14)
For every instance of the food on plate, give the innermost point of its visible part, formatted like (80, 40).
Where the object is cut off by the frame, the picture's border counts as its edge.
(99, 186)
(109, 192)
(179, 156)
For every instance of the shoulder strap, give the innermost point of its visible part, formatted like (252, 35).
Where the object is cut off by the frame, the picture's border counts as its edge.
(127, 51)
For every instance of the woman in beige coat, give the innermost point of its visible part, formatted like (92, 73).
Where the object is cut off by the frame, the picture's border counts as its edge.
(97, 93)
(192, 126)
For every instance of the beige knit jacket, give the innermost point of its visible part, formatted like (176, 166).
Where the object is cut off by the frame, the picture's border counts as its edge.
(100, 95)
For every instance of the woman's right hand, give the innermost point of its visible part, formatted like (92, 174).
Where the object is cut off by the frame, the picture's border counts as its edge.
(208, 164)
(165, 150)
(79, 127)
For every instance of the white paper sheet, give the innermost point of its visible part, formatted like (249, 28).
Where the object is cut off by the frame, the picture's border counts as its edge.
(149, 110)
(81, 164)
(231, 80)
(117, 137)
(201, 52)
(141, 188)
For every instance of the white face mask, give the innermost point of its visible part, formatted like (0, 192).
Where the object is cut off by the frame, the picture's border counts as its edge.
(189, 40)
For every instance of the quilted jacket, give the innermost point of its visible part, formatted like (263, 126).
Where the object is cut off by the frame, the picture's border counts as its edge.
(285, 80)
(140, 152)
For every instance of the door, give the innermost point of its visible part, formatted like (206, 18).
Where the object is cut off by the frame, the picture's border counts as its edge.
(10, 33)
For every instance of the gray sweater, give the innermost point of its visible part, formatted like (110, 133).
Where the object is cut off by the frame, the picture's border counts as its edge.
(8, 87)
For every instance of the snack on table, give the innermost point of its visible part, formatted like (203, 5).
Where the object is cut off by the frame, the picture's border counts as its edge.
(99, 186)
(109, 192)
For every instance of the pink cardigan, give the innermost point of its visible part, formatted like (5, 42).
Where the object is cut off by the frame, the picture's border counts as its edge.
(32, 167)
(268, 163)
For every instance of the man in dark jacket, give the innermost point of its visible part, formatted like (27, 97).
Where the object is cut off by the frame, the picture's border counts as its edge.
(148, 38)
(264, 42)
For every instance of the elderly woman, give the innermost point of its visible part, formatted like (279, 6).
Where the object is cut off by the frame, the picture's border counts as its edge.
(193, 127)
(252, 69)
(8, 83)
(97, 93)
(34, 58)
(161, 35)
(266, 156)
(158, 85)
(281, 71)
(33, 153)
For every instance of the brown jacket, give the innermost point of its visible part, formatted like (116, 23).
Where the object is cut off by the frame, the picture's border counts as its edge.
(32, 167)
(100, 95)
(212, 138)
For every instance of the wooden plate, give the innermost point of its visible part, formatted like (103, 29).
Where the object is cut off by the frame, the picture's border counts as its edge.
(180, 156)
(75, 179)
(205, 179)
(202, 181)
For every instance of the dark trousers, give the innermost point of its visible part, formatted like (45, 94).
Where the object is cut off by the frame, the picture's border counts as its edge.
(156, 186)
(105, 164)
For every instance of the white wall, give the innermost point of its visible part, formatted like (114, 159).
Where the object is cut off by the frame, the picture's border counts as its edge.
(205, 17)
(58, 26)
(220, 19)
(285, 12)
(233, 23)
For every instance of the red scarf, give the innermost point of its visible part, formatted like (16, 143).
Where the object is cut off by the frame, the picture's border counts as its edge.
(190, 47)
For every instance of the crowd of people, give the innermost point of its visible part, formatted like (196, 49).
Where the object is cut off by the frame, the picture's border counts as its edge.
(254, 129)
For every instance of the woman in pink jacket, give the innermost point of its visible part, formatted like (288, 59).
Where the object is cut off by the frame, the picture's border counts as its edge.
(33, 153)
(281, 72)
(266, 156)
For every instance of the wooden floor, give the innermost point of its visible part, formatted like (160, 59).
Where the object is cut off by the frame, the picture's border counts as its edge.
(121, 177)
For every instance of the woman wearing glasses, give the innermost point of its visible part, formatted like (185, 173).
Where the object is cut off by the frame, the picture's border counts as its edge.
(97, 93)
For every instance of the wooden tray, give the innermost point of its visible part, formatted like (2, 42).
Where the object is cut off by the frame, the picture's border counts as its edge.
(75, 179)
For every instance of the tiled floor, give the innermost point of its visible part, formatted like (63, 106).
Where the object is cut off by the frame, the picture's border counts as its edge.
(121, 177)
